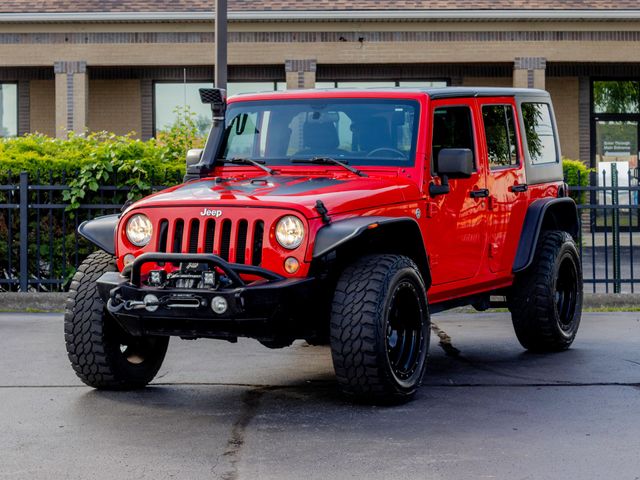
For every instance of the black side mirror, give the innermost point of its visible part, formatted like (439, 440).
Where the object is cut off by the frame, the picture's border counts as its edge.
(455, 162)
(452, 163)
(193, 156)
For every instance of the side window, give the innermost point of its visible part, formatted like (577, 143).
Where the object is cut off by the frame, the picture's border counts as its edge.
(538, 127)
(500, 132)
(452, 128)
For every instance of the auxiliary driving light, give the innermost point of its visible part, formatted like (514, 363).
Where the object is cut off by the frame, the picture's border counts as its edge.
(157, 278)
(219, 305)
(291, 265)
(209, 279)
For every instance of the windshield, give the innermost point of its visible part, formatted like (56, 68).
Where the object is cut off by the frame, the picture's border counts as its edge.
(353, 131)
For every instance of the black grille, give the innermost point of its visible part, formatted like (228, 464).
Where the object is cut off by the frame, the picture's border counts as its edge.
(177, 237)
(239, 242)
(258, 234)
(193, 236)
(162, 236)
(209, 235)
(226, 239)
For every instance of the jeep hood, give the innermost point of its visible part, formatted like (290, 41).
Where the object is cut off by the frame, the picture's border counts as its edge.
(298, 192)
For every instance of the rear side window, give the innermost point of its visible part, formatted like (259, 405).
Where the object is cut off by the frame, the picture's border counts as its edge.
(500, 133)
(538, 127)
(452, 128)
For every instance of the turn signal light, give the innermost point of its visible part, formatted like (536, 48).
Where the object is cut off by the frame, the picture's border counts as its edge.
(291, 265)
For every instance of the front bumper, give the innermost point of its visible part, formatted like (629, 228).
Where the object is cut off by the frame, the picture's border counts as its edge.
(271, 307)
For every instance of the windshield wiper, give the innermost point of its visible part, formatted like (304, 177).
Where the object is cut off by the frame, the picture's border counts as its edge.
(248, 161)
(329, 161)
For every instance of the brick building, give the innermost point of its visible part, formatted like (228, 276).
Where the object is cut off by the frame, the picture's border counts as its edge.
(124, 66)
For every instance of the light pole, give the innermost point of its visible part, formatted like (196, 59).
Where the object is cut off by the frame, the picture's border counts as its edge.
(220, 79)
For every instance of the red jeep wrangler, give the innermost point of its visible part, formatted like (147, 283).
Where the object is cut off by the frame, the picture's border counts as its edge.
(341, 217)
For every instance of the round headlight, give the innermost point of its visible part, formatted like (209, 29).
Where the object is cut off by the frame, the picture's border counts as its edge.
(290, 232)
(139, 230)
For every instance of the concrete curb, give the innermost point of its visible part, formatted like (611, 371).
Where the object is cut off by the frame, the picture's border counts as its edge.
(30, 302)
(54, 302)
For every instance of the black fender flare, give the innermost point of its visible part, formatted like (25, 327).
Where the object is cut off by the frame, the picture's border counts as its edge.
(544, 214)
(101, 231)
(409, 242)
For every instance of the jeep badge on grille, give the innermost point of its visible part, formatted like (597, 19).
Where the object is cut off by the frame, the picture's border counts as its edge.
(207, 212)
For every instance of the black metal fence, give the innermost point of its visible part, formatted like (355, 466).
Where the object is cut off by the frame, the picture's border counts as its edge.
(610, 229)
(40, 248)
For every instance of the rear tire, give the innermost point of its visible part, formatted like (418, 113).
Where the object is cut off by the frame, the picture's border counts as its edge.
(546, 304)
(380, 329)
(102, 354)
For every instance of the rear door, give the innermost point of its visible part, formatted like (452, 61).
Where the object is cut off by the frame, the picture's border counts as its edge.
(456, 234)
(508, 192)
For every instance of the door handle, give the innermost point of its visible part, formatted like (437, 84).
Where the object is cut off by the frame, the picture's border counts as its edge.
(480, 193)
(519, 188)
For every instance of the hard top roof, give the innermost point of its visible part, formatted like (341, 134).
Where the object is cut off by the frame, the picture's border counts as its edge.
(434, 93)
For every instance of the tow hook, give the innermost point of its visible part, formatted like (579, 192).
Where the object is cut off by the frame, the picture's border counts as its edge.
(149, 302)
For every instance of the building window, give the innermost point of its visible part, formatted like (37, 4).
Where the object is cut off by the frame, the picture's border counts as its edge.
(616, 127)
(382, 84)
(8, 110)
(236, 88)
(616, 96)
(423, 83)
(172, 99)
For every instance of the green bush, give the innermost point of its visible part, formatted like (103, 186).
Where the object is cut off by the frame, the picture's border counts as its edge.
(576, 174)
(85, 163)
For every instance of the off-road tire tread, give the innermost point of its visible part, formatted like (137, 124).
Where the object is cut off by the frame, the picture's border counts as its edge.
(354, 314)
(532, 303)
(84, 328)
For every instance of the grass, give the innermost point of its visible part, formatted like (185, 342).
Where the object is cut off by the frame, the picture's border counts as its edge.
(622, 308)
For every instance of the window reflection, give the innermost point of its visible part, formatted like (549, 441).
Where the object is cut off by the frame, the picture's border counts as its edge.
(382, 84)
(539, 132)
(8, 110)
(500, 133)
(616, 96)
(172, 99)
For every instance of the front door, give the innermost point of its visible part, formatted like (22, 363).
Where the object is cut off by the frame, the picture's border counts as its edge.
(616, 161)
(508, 192)
(456, 233)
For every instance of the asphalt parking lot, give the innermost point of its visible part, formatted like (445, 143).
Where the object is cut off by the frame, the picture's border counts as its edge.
(223, 411)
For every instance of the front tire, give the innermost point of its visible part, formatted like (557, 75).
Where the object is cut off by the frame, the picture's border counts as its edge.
(102, 354)
(380, 329)
(546, 304)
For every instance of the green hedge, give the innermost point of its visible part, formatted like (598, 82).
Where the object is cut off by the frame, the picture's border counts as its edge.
(576, 174)
(85, 163)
